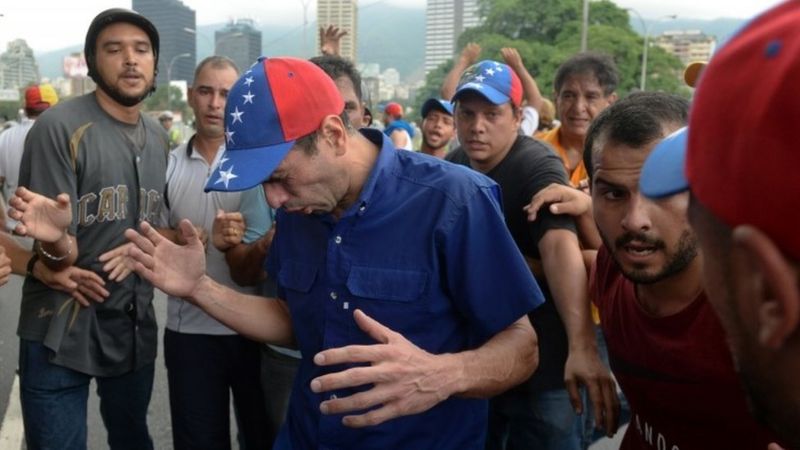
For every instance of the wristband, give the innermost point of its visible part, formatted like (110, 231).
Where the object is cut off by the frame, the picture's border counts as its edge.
(31, 263)
(57, 258)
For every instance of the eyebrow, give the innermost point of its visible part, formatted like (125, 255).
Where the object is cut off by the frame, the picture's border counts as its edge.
(600, 181)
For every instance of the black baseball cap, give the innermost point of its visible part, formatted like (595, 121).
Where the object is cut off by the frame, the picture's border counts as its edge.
(111, 16)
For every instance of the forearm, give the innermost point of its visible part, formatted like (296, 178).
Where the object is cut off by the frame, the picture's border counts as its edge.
(587, 230)
(246, 262)
(567, 278)
(19, 256)
(258, 318)
(60, 254)
(529, 87)
(506, 360)
(450, 82)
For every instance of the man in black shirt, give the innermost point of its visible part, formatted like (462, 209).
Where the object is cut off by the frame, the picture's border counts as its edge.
(539, 413)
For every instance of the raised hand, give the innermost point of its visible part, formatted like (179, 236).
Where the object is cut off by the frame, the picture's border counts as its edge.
(512, 58)
(330, 39)
(470, 53)
(227, 230)
(40, 217)
(175, 269)
(406, 379)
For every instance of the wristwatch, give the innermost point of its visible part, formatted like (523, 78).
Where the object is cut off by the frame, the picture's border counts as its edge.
(31, 263)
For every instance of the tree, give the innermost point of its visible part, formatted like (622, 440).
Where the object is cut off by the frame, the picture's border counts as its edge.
(547, 32)
(159, 102)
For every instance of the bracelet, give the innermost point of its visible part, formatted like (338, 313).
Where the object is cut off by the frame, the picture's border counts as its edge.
(31, 263)
(57, 258)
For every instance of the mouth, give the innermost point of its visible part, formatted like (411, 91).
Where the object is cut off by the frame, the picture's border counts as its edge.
(640, 250)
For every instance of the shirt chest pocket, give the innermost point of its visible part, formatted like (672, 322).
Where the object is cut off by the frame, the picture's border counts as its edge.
(298, 277)
(397, 285)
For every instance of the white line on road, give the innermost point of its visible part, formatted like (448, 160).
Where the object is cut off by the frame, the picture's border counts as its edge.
(11, 430)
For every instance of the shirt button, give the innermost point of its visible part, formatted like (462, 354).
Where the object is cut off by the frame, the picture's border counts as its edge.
(333, 397)
(334, 295)
(362, 209)
(337, 239)
(138, 160)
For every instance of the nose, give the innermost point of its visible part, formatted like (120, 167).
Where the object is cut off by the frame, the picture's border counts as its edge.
(130, 56)
(637, 216)
(217, 101)
(276, 195)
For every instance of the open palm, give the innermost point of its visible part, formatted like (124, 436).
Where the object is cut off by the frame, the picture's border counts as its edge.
(40, 217)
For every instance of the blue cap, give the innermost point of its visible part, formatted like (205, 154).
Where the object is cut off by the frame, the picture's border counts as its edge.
(496, 82)
(663, 172)
(436, 103)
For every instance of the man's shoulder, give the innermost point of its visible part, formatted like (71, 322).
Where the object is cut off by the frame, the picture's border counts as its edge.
(453, 180)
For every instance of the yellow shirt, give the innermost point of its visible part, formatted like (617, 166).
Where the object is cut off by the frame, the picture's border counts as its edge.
(553, 137)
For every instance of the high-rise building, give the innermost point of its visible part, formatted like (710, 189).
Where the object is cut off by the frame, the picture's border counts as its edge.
(176, 25)
(239, 41)
(342, 14)
(18, 67)
(687, 45)
(445, 20)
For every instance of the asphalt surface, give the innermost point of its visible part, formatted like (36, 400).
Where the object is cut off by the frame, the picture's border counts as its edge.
(158, 414)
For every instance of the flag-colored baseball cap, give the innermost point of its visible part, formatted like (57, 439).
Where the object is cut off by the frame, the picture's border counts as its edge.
(274, 103)
(38, 98)
(437, 104)
(494, 81)
(741, 145)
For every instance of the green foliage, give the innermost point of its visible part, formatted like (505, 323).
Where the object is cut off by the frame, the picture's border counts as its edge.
(548, 32)
(158, 101)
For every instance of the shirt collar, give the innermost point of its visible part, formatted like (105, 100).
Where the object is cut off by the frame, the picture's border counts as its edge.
(385, 163)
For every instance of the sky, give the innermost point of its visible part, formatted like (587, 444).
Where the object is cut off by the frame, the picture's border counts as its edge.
(53, 24)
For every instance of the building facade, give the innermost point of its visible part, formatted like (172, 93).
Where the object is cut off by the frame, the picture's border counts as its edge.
(687, 45)
(18, 67)
(239, 41)
(445, 20)
(176, 24)
(342, 14)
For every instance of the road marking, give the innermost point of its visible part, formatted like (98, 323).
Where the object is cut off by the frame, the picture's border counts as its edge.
(11, 430)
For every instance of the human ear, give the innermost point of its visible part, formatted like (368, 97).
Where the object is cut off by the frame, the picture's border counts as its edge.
(777, 293)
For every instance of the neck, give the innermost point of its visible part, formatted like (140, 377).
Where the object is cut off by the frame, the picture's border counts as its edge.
(361, 157)
(439, 152)
(671, 295)
(571, 141)
(207, 146)
(488, 165)
(125, 114)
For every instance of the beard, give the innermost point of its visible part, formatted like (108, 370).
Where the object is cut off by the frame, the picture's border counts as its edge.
(685, 252)
(121, 97)
(434, 147)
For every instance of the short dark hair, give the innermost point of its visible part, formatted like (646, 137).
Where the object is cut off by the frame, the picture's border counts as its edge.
(598, 64)
(635, 121)
(336, 67)
(217, 62)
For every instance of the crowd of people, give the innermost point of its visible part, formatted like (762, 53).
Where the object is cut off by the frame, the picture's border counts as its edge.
(533, 272)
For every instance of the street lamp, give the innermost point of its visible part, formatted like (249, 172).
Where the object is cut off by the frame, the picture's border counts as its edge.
(646, 31)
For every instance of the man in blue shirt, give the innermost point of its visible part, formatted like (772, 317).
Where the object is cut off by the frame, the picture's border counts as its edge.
(397, 277)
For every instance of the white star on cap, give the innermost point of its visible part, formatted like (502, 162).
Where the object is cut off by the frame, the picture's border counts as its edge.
(489, 72)
(498, 68)
(248, 98)
(223, 160)
(225, 176)
(480, 78)
(229, 136)
(249, 80)
(237, 115)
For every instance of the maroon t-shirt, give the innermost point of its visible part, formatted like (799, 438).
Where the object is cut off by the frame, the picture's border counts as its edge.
(676, 371)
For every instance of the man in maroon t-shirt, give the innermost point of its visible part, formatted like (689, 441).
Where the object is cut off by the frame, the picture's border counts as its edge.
(666, 345)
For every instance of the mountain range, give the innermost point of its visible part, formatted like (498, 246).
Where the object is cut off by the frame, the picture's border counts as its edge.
(389, 35)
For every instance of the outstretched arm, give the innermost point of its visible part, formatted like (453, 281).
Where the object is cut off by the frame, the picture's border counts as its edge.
(180, 270)
(408, 380)
(469, 56)
(562, 199)
(566, 276)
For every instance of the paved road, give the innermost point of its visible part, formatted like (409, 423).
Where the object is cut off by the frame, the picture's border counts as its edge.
(157, 416)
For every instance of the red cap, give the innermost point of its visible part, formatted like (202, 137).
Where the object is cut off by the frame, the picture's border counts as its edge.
(394, 109)
(38, 98)
(743, 146)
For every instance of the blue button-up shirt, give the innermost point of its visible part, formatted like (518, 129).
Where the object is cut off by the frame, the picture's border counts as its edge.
(424, 251)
